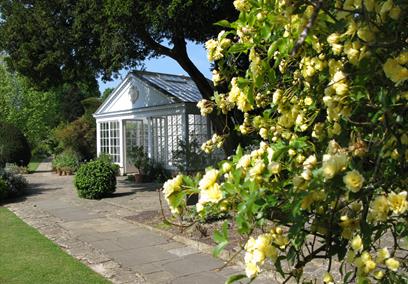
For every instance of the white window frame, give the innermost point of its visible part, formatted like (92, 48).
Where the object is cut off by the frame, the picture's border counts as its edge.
(110, 139)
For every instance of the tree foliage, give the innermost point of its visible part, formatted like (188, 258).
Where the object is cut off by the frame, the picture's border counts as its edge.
(65, 41)
(323, 86)
(14, 147)
(54, 42)
(34, 112)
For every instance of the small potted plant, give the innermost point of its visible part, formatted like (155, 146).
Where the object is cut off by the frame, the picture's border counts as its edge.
(140, 161)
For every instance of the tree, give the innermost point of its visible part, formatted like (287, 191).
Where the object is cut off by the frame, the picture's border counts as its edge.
(34, 112)
(74, 41)
(325, 92)
(106, 93)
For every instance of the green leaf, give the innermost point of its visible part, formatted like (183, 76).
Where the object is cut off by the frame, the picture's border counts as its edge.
(272, 48)
(278, 265)
(223, 23)
(221, 237)
(239, 151)
(266, 32)
(219, 248)
(239, 47)
(347, 276)
(235, 278)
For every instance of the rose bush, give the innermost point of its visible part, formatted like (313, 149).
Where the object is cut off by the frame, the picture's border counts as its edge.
(322, 86)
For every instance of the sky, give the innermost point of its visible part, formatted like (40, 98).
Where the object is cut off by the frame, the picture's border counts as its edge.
(196, 52)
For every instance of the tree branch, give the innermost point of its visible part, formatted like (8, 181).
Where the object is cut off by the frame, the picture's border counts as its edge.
(303, 35)
(160, 49)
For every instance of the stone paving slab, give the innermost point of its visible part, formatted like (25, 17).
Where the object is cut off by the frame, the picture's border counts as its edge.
(97, 233)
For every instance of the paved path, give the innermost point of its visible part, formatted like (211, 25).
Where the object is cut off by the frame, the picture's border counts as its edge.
(97, 233)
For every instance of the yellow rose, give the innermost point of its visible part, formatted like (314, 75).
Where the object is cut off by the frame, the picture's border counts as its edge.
(208, 179)
(398, 202)
(310, 162)
(258, 256)
(333, 164)
(378, 274)
(277, 96)
(213, 194)
(257, 169)
(357, 243)
(329, 169)
(333, 38)
(382, 255)
(251, 269)
(250, 245)
(274, 168)
(243, 103)
(392, 264)
(308, 101)
(199, 207)
(328, 278)
(263, 132)
(337, 48)
(394, 71)
(364, 263)
(242, 5)
(379, 209)
(366, 34)
(226, 167)
(216, 77)
(172, 185)
(403, 58)
(244, 162)
(353, 181)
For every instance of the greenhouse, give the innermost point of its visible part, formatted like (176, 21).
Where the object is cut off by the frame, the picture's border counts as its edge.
(153, 110)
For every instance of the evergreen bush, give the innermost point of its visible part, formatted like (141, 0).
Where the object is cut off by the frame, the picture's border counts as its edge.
(95, 179)
(14, 147)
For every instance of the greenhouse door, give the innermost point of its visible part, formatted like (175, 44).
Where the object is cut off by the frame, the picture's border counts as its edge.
(136, 136)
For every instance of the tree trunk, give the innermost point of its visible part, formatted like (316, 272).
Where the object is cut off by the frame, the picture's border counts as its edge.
(219, 124)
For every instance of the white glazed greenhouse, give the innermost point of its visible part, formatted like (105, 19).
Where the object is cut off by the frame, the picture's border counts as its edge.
(153, 110)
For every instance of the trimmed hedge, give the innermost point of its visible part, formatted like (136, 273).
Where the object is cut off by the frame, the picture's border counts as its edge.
(14, 147)
(95, 179)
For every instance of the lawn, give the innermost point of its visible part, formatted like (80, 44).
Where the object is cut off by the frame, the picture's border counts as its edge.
(34, 163)
(28, 257)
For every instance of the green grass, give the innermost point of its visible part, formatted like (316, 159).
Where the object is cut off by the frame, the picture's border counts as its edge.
(34, 163)
(28, 257)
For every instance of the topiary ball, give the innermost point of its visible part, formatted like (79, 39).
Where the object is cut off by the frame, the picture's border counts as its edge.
(14, 147)
(95, 180)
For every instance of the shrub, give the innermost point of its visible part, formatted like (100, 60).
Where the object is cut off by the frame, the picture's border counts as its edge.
(323, 85)
(95, 179)
(11, 185)
(14, 169)
(78, 136)
(14, 147)
(3, 189)
(67, 162)
(108, 159)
